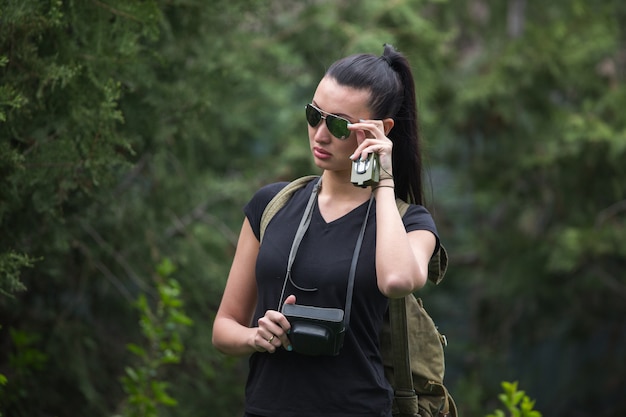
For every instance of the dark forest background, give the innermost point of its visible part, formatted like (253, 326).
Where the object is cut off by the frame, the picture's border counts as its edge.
(133, 132)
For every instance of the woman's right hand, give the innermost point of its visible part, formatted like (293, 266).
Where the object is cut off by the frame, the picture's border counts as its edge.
(273, 330)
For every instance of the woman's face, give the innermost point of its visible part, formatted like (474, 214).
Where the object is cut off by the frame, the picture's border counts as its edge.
(329, 152)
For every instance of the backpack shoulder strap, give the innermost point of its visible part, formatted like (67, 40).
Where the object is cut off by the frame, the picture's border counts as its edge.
(279, 201)
(404, 392)
(405, 395)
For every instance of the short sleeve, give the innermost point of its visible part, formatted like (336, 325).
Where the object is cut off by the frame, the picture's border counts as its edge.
(419, 218)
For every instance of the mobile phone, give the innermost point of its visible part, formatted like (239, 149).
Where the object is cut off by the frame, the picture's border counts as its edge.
(365, 172)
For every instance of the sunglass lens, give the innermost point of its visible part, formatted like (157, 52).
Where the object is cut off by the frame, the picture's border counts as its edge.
(313, 117)
(337, 127)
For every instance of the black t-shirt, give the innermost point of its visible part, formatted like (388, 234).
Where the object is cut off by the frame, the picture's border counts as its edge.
(351, 384)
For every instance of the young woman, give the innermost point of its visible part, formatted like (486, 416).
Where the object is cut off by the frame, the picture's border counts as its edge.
(364, 104)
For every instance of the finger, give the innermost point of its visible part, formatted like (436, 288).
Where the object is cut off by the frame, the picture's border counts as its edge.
(272, 340)
(371, 138)
(284, 338)
(275, 342)
(269, 342)
(369, 148)
(263, 343)
(361, 135)
(278, 341)
(362, 132)
(360, 152)
(276, 324)
(372, 128)
(273, 323)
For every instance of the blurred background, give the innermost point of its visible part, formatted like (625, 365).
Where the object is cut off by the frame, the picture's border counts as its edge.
(133, 132)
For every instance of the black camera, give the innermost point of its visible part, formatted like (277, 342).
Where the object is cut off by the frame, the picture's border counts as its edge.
(315, 330)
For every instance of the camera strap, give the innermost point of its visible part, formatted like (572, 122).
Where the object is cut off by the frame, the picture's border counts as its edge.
(355, 259)
(302, 228)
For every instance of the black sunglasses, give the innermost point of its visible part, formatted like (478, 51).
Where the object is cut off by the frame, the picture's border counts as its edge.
(337, 126)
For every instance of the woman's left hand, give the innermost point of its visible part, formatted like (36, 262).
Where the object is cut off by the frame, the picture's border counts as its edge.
(371, 138)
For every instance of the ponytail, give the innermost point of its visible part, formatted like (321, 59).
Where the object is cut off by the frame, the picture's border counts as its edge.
(392, 95)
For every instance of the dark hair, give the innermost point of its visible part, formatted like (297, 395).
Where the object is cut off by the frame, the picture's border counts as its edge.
(392, 94)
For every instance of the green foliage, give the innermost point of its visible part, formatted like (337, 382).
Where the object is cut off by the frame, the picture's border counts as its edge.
(10, 266)
(3, 382)
(517, 403)
(132, 132)
(533, 122)
(161, 326)
(26, 362)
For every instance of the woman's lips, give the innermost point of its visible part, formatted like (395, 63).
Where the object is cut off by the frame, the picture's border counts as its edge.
(321, 153)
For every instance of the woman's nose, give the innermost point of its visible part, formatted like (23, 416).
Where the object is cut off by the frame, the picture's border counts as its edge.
(322, 134)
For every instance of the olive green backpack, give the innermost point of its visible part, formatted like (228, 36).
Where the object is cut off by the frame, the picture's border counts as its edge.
(411, 345)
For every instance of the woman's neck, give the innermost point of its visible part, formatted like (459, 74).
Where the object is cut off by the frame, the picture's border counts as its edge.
(336, 185)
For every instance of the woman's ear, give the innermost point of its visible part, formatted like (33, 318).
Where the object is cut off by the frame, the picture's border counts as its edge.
(388, 125)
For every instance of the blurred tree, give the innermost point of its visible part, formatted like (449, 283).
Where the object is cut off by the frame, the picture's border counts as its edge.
(531, 116)
(135, 131)
(62, 152)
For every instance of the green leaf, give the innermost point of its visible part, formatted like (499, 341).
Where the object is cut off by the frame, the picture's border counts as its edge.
(137, 350)
(166, 268)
